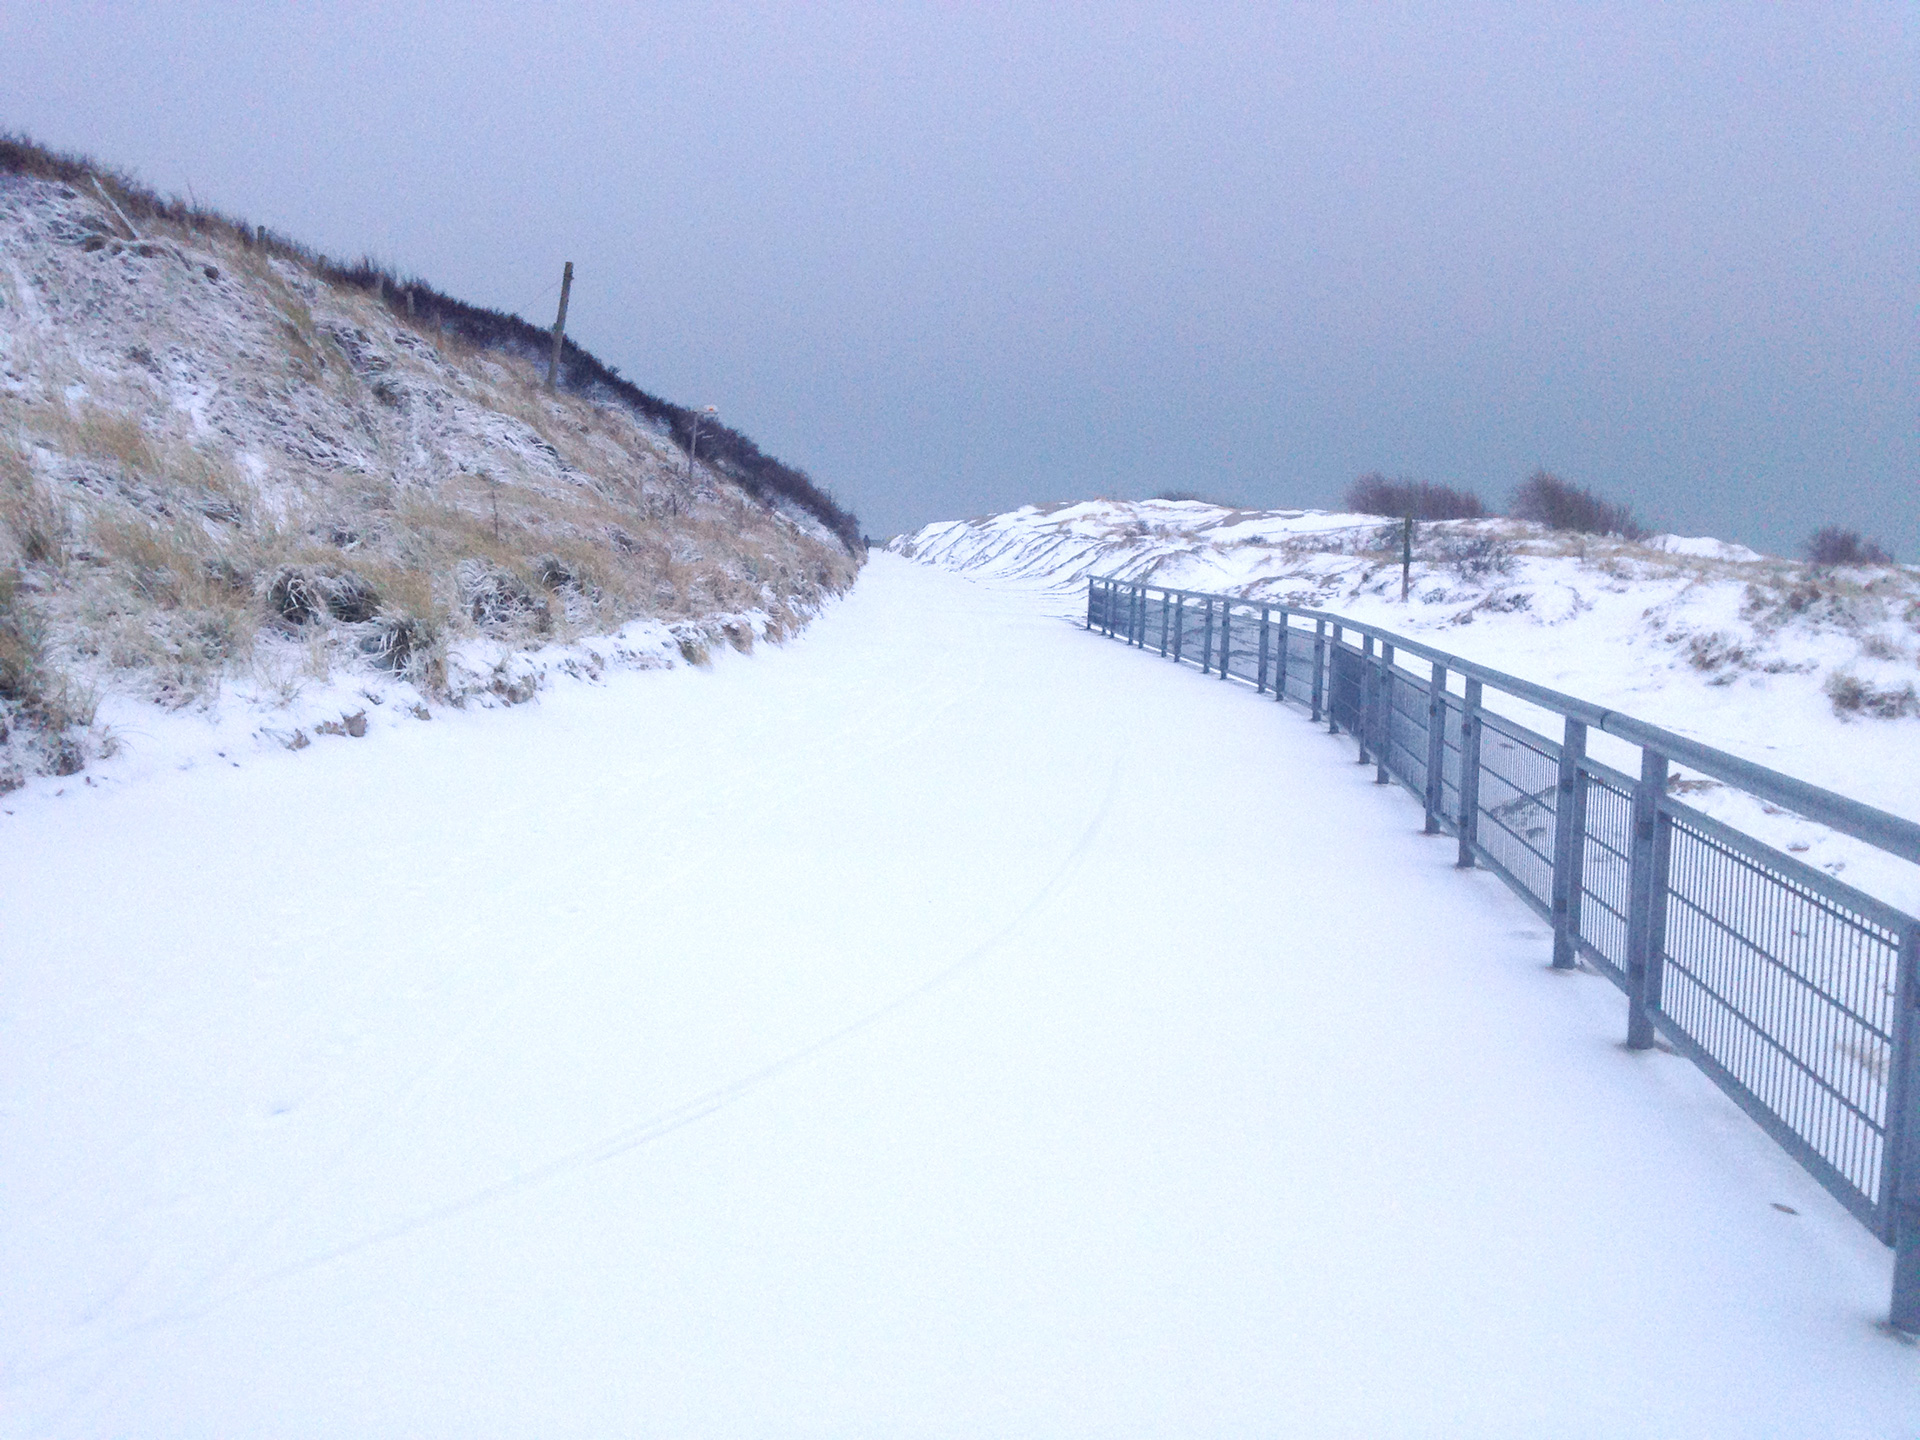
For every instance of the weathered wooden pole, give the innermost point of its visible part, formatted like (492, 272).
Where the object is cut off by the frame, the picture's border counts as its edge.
(560, 326)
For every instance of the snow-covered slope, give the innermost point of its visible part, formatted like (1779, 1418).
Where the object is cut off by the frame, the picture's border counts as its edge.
(224, 477)
(1811, 671)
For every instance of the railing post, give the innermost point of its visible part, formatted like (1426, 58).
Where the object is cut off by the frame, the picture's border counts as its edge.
(1363, 722)
(1226, 637)
(1333, 662)
(1280, 669)
(1266, 629)
(1436, 747)
(1179, 624)
(1569, 844)
(1646, 900)
(1469, 817)
(1383, 716)
(1091, 585)
(1137, 611)
(1206, 642)
(1901, 1167)
(1166, 612)
(1319, 667)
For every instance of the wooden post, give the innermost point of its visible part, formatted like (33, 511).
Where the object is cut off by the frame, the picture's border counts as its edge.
(560, 326)
(1406, 560)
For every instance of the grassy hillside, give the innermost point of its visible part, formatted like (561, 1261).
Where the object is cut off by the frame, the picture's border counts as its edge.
(224, 457)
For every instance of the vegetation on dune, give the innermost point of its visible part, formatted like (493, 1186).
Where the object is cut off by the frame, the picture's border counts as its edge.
(225, 459)
(581, 373)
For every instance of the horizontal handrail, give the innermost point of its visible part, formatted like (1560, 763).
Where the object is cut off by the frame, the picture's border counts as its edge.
(1892, 833)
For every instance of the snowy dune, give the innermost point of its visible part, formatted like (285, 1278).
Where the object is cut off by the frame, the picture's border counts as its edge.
(946, 1024)
(1742, 651)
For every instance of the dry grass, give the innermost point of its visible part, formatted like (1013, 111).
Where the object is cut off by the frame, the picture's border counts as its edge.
(138, 553)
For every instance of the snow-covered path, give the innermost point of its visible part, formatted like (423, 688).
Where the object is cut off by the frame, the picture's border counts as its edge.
(950, 1024)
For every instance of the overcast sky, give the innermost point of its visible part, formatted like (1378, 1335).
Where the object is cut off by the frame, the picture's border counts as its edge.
(951, 258)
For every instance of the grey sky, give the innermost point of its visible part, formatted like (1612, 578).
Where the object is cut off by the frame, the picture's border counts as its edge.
(952, 258)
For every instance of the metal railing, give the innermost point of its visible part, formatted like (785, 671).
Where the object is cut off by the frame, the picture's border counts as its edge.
(1797, 994)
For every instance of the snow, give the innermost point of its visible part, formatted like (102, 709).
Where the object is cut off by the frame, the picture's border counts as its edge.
(948, 1023)
(1721, 645)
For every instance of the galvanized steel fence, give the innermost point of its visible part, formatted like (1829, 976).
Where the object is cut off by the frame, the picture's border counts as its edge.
(1796, 993)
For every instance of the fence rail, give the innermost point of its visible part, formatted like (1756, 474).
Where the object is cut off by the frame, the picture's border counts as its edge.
(1798, 995)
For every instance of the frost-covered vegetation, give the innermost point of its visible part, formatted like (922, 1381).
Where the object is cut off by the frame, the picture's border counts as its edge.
(225, 462)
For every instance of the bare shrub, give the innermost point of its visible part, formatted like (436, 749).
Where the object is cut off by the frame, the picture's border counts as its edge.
(1833, 545)
(1561, 505)
(1853, 696)
(1476, 556)
(498, 599)
(1374, 494)
(1719, 654)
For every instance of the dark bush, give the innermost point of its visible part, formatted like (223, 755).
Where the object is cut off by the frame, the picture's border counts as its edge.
(1374, 494)
(301, 594)
(1832, 545)
(1561, 505)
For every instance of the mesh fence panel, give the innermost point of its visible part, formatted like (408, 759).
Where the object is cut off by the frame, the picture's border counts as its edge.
(1300, 663)
(1451, 721)
(1787, 990)
(1519, 778)
(1407, 728)
(1346, 693)
(1606, 872)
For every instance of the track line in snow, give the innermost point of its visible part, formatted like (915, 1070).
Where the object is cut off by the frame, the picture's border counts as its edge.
(629, 1138)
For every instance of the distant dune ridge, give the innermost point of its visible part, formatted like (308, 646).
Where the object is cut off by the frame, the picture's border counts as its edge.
(225, 461)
